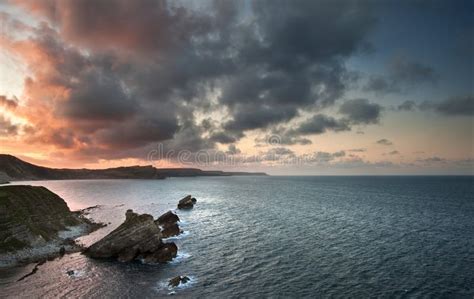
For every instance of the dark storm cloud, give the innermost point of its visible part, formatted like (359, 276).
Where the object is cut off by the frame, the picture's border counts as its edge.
(99, 97)
(320, 123)
(453, 106)
(384, 142)
(401, 74)
(317, 124)
(137, 71)
(361, 111)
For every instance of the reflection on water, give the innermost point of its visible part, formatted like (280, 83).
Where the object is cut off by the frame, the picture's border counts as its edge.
(277, 237)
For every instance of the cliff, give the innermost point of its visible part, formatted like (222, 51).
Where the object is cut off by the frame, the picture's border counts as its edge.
(33, 217)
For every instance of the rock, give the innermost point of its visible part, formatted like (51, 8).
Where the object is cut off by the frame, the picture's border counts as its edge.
(62, 251)
(186, 203)
(194, 200)
(168, 217)
(70, 272)
(168, 224)
(170, 230)
(139, 237)
(165, 253)
(176, 281)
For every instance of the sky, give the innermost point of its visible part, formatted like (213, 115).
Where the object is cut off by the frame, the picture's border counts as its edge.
(287, 87)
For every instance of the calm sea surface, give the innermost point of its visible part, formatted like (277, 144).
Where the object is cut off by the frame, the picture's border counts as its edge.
(277, 237)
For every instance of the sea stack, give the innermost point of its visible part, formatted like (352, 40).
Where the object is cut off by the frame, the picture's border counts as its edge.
(187, 203)
(168, 223)
(138, 237)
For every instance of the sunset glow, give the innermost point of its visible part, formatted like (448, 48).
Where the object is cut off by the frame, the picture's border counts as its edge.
(349, 88)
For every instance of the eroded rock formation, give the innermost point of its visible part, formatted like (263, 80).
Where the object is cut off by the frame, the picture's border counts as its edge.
(139, 237)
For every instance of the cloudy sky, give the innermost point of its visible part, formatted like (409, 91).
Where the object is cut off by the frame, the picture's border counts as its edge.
(287, 87)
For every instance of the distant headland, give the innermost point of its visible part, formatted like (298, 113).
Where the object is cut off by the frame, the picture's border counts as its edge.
(15, 169)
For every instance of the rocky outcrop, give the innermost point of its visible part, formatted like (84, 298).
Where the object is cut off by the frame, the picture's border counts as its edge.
(168, 223)
(176, 281)
(138, 237)
(33, 216)
(187, 203)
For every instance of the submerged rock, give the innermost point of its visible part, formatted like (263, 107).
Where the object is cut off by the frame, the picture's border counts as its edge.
(187, 202)
(139, 237)
(168, 222)
(176, 281)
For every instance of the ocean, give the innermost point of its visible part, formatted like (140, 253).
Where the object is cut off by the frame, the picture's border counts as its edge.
(276, 237)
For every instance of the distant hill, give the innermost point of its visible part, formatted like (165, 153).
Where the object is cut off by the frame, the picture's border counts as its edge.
(14, 169)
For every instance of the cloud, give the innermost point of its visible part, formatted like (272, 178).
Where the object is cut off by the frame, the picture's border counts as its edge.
(433, 159)
(453, 106)
(320, 123)
(233, 150)
(407, 106)
(8, 104)
(277, 154)
(384, 142)
(111, 82)
(7, 128)
(361, 111)
(357, 150)
(402, 74)
(325, 157)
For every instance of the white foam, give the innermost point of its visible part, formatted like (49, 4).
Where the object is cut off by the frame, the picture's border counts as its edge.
(178, 237)
(164, 285)
(181, 256)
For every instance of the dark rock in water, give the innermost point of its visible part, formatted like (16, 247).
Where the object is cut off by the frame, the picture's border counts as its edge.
(165, 253)
(194, 200)
(62, 251)
(186, 203)
(139, 237)
(176, 281)
(168, 224)
(168, 217)
(170, 230)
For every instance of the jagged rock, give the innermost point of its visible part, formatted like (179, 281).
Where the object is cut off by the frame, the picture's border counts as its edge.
(139, 237)
(165, 253)
(171, 230)
(168, 217)
(168, 222)
(187, 202)
(176, 281)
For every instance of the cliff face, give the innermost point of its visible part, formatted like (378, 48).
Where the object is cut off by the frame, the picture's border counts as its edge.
(32, 216)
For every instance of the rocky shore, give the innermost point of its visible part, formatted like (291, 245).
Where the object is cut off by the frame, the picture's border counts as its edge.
(36, 224)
